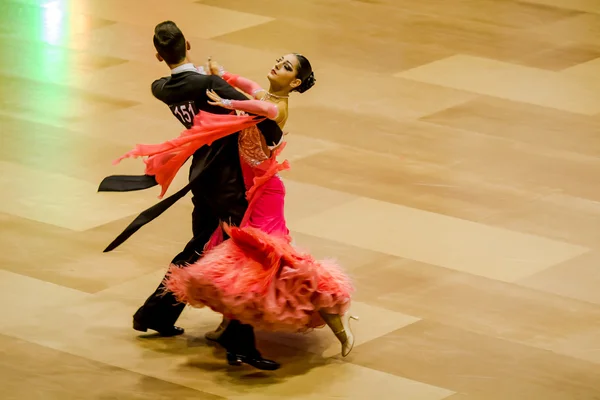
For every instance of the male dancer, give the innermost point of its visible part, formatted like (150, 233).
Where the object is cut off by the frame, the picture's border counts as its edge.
(216, 183)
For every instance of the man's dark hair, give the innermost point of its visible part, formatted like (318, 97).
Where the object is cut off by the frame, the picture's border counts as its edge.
(169, 42)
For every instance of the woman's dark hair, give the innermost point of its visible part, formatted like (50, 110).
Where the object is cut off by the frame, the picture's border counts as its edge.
(305, 74)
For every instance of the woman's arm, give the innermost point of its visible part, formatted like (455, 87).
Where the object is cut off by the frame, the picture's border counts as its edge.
(257, 107)
(244, 84)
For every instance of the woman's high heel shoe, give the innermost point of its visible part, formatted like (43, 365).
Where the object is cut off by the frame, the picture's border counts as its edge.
(347, 344)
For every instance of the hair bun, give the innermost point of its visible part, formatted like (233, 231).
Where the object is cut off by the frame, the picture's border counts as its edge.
(307, 83)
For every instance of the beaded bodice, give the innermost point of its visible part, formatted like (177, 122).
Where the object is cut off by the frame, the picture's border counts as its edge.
(252, 146)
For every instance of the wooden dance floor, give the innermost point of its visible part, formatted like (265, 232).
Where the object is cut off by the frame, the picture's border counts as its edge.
(448, 157)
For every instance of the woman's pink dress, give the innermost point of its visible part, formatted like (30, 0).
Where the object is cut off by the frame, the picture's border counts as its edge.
(257, 276)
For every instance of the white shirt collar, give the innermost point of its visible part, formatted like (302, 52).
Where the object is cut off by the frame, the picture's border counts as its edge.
(187, 67)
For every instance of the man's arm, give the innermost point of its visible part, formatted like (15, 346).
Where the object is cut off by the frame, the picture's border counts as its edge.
(271, 132)
(157, 87)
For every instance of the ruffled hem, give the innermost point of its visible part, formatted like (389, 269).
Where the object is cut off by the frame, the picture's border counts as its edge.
(263, 281)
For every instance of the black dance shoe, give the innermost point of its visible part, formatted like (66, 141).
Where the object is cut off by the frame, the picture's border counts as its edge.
(255, 360)
(164, 332)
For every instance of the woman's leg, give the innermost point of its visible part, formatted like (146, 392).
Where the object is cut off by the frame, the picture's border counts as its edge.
(340, 325)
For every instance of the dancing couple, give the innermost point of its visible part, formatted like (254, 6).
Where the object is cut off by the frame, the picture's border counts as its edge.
(240, 261)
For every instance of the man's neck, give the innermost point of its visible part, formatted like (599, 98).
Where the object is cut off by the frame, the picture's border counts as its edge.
(183, 67)
(173, 66)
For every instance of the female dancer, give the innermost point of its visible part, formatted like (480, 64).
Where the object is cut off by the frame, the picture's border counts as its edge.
(257, 276)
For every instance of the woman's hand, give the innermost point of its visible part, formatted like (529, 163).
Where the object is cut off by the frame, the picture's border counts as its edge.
(214, 67)
(217, 100)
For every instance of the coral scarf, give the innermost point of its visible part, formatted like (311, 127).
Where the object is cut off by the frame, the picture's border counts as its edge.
(165, 159)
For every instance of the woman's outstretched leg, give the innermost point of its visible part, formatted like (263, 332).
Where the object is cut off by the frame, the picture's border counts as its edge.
(340, 325)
